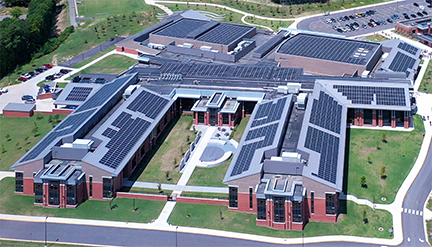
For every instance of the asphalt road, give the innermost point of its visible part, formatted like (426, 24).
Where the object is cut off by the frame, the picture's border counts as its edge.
(383, 12)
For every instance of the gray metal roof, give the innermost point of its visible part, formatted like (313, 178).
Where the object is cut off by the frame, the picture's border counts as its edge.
(240, 168)
(65, 97)
(19, 107)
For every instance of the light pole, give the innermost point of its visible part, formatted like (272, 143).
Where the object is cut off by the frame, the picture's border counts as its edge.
(176, 235)
(46, 233)
(302, 238)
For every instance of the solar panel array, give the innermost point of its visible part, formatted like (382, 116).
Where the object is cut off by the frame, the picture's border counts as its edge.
(181, 28)
(402, 62)
(123, 140)
(109, 133)
(365, 95)
(269, 112)
(68, 126)
(269, 45)
(408, 48)
(327, 48)
(328, 146)
(224, 33)
(326, 113)
(247, 151)
(147, 103)
(79, 93)
(103, 94)
(208, 70)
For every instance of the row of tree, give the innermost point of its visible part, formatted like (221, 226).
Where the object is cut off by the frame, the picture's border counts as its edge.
(20, 39)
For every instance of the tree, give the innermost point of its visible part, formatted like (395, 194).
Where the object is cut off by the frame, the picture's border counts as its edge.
(383, 172)
(35, 130)
(50, 119)
(16, 12)
(369, 160)
(159, 187)
(3, 150)
(110, 201)
(167, 173)
(363, 181)
(377, 145)
(7, 136)
(26, 139)
(17, 145)
(365, 219)
(384, 137)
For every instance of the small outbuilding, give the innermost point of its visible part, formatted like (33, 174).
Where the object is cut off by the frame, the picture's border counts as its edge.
(19, 110)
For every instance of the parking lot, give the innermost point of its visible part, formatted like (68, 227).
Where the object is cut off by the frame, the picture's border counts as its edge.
(368, 19)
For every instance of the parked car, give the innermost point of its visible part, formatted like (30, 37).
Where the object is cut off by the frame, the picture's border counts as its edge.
(22, 79)
(30, 101)
(419, 14)
(65, 71)
(425, 13)
(3, 90)
(389, 20)
(50, 78)
(57, 75)
(416, 4)
(413, 16)
(49, 66)
(26, 97)
(28, 75)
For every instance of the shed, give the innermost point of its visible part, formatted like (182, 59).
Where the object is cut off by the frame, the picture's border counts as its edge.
(19, 110)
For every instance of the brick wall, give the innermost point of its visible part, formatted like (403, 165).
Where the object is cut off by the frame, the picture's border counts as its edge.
(28, 184)
(320, 211)
(142, 196)
(45, 96)
(17, 114)
(206, 201)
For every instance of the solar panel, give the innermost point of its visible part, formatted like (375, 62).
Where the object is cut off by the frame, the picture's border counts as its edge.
(181, 28)
(148, 104)
(122, 141)
(269, 112)
(251, 72)
(402, 62)
(286, 74)
(225, 33)
(103, 94)
(209, 70)
(68, 126)
(327, 146)
(174, 68)
(367, 94)
(408, 48)
(326, 113)
(328, 48)
(79, 93)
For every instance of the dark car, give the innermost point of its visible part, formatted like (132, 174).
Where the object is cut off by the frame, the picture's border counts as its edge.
(429, 6)
(413, 16)
(425, 13)
(65, 71)
(50, 78)
(26, 97)
(415, 4)
(419, 14)
(389, 20)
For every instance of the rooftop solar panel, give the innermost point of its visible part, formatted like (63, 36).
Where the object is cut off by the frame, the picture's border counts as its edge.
(328, 48)
(390, 96)
(79, 93)
(286, 74)
(269, 112)
(181, 28)
(225, 34)
(326, 113)
(327, 146)
(402, 62)
(251, 72)
(209, 70)
(148, 104)
(408, 48)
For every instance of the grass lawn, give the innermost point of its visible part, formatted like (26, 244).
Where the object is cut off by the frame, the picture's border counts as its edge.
(398, 155)
(166, 157)
(62, 84)
(146, 191)
(208, 216)
(429, 230)
(89, 8)
(204, 195)
(426, 83)
(376, 38)
(91, 209)
(289, 11)
(231, 17)
(88, 60)
(21, 138)
(211, 176)
(114, 64)
(89, 34)
(9, 243)
(239, 129)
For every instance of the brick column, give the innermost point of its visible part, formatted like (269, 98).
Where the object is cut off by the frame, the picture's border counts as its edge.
(207, 118)
(269, 212)
(62, 196)
(288, 215)
(380, 118)
(374, 118)
(407, 120)
(361, 117)
(393, 119)
(45, 194)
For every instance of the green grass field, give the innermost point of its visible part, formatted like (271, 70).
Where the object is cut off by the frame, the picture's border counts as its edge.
(166, 156)
(114, 64)
(21, 138)
(376, 38)
(208, 216)
(88, 60)
(398, 155)
(211, 176)
(89, 8)
(426, 83)
(146, 191)
(9, 243)
(239, 129)
(91, 209)
(204, 195)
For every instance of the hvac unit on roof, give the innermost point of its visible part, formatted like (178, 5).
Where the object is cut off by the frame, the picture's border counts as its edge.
(301, 101)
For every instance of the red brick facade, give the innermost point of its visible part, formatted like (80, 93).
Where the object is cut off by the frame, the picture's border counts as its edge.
(206, 201)
(18, 114)
(142, 196)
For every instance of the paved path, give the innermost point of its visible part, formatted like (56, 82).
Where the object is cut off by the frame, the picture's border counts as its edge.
(73, 10)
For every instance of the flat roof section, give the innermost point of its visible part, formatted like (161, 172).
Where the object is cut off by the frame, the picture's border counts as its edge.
(77, 93)
(19, 107)
(329, 48)
(225, 33)
(181, 28)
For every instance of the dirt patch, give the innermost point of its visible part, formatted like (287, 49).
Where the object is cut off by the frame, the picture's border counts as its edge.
(366, 151)
(61, 21)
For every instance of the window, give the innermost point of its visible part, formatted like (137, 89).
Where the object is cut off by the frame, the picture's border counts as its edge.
(54, 189)
(71, 195)
(251, 198)
(143, 150)
(19, 181)
(279, 208)
(312, 202)
(91, 186)
(225, 118)
(38, 191)
(134, 161)
(233, 194)
(330, 204)
(107, 187)
(261, 209)
(297, 211)
(200, 117)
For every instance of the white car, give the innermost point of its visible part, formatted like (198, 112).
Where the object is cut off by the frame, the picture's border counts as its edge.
(4, 90)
